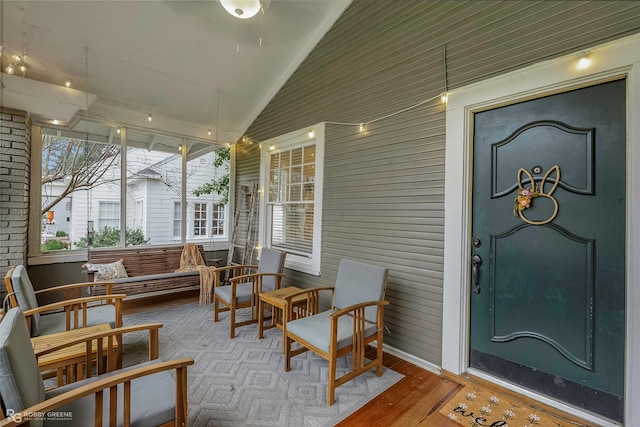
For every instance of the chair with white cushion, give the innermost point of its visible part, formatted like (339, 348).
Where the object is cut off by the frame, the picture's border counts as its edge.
(244, 288)
(354, 320)
(142, 395)
(74, 311)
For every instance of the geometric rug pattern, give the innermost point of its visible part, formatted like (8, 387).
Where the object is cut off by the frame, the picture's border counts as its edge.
(241, 381)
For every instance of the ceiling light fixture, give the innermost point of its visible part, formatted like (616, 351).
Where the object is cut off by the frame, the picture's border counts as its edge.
(243, 9)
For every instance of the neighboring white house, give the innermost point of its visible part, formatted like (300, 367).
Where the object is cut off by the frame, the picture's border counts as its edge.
(153, 201)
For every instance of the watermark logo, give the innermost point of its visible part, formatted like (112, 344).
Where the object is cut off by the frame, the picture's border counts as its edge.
(18, 417)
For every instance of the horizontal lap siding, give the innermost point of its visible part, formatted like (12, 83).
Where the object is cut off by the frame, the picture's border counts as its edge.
(384, 190)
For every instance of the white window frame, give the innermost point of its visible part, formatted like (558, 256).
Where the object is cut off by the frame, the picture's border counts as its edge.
(195, 220)
(102, 217)
(313, 135)
(218, 220)
(177, 219)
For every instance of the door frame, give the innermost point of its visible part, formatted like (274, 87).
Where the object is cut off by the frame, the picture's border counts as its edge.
(620, 58)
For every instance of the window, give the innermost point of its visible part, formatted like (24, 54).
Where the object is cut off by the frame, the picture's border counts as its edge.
(200, 219)
(177, 219)
(217, 228)
(83, 181)
(291, 174)
(108, 215)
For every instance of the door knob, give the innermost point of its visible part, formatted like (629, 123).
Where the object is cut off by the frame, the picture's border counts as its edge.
(476, 262)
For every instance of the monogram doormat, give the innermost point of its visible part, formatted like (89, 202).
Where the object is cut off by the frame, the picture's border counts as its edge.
(476, 407)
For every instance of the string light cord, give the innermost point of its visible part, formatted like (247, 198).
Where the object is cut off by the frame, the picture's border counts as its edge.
(377, 119)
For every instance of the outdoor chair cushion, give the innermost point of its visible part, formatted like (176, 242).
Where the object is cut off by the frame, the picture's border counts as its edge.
(56, 322)
(316, 330)
(21, 384)
(243, 292)
(152, 400)
(25, 295)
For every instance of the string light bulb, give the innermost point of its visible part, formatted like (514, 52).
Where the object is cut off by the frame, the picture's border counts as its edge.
(310, 133)
(67, 83)
(118, 130)
(209, 132)
(583, 62)
(149, 118)
(10, 68)
(444, 97)
(23, 69)
(361, 127)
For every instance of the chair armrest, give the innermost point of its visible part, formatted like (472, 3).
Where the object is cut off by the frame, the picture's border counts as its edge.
(312, 302)
(96, 388)
(355, 307)
(75, 302)
(79, 306)
(151, 327)
(107, 343)
(230, 271)
(246, 277)
(73, 290)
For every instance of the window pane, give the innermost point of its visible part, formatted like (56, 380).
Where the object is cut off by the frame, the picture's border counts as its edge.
(200, 219)
(204, 180)
(291, 183)
(177, 216)
(77, 175)
(153, 187)
(292, 228)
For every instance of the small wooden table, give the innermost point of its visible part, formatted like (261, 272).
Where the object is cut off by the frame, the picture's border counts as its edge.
(70, 359)
(277, 301)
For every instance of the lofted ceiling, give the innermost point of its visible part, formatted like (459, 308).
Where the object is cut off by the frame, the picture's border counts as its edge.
(189, 64)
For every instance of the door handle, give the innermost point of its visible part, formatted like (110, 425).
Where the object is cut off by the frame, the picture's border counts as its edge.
(476, 262)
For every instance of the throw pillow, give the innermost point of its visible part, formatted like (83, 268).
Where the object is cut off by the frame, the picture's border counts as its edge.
(112, 270)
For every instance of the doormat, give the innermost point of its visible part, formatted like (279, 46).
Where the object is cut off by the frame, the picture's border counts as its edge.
(477, 407)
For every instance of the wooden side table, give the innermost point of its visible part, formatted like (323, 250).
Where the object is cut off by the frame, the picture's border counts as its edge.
(276, 299)
(69, 360)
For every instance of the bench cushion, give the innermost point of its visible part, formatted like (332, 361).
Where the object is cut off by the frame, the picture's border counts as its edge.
(158, 276)
(152, 401)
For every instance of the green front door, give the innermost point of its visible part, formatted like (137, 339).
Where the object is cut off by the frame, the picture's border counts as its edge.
(548, 269)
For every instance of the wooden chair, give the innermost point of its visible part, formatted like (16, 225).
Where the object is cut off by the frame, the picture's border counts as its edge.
(244, 286)
(143, 394)
(354, 321)
(75, 310)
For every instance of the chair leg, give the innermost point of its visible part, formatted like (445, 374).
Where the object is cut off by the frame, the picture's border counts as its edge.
(215, 309)
(379, 355)
(232, 322)
(331, 388)
(287, 353)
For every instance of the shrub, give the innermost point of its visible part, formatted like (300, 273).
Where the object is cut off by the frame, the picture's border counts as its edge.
(61, 234)
(53, 245)
(110, 236)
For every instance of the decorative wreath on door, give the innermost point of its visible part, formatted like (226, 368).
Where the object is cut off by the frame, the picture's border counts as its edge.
(525, 196)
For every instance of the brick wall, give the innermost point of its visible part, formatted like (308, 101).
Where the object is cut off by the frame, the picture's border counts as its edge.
(15, 158)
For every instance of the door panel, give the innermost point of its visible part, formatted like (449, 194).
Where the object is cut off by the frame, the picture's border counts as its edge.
(550, 311)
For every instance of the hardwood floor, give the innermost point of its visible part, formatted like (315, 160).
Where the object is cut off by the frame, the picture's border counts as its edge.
(415, 400)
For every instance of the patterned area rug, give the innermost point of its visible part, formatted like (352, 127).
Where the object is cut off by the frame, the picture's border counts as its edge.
(241, 382)
(475, 407)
